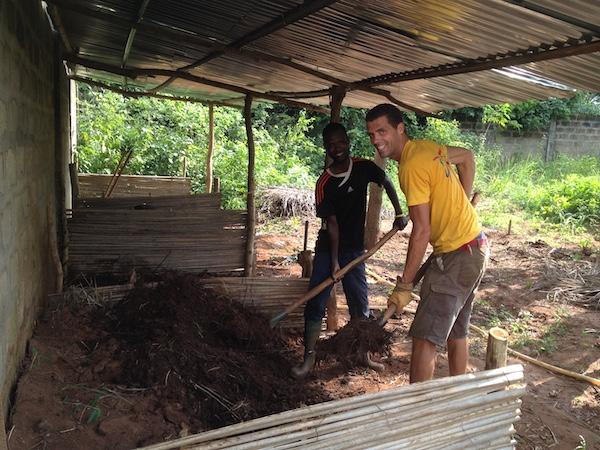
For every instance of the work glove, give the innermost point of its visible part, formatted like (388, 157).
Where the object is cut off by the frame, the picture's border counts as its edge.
(400, 222)
(401, 295)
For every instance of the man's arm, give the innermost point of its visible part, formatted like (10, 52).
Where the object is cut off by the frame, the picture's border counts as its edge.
(419, 239)
(465, 164)
(391, 193)
(333, 230)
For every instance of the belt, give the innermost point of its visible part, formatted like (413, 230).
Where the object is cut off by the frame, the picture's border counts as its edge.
(479, 241)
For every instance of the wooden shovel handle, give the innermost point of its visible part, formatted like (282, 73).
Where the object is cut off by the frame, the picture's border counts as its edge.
(329, 281)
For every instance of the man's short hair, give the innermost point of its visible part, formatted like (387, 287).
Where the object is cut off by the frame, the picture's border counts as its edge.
(393, 114)
(333, 127)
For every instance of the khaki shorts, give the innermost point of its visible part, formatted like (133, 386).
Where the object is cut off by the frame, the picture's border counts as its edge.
(447, 293)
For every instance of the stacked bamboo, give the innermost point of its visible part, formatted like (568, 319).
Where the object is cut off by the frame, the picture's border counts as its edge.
(95, 185)
(188, 233)
(268, 295)
(474, 411)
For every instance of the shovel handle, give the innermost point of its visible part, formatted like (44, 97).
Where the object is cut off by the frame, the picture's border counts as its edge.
(330, 280)
(389, 312)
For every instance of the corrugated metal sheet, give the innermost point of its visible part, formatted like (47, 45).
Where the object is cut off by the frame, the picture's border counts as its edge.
(349, 40)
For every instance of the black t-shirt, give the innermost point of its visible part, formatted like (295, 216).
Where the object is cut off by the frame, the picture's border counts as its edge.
(345, 196)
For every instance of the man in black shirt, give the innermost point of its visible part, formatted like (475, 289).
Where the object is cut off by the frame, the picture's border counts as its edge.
(341, 200)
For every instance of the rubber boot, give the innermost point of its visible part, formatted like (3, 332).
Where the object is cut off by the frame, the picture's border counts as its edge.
(312, 329)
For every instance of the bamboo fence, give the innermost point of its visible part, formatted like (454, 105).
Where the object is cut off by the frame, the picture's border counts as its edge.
(95, 185)
(267, 295)
(474, 411)
(188, 233)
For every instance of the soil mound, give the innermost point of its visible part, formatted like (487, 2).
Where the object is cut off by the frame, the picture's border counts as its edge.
(216, 358)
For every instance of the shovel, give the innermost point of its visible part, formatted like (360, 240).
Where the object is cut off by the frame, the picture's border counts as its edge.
(336, 276)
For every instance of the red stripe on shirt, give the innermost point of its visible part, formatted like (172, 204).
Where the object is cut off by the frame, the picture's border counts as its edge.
(320, 190)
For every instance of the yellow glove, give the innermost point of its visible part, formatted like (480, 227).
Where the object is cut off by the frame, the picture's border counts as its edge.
(400, 296)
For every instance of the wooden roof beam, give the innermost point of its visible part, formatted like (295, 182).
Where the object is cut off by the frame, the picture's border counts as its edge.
(133, 30)
(555, 15)
(138, 94)
(298, 13)
(176, 34)
(133, 73)
(544, 52)
(559, 50)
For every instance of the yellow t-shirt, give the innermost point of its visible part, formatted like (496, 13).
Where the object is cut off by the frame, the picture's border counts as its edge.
(426, 176)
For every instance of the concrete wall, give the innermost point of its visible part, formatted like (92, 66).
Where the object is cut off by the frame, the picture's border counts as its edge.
(31, 157)
(579, 136)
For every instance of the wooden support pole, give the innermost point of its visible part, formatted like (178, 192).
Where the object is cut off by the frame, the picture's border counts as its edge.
(305, 256)
(216, 185)
(249, 262)
(211, 143)
(374, 208)
(337, 97)
(497, 348)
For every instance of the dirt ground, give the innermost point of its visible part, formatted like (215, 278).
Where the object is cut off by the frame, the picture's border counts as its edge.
(175, 360)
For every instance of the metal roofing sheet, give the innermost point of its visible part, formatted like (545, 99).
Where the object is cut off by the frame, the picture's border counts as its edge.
(348, 40)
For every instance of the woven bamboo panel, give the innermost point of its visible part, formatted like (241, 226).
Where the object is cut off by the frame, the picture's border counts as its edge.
(188, 233)
(474, 411)
(268, 295)
(94, 185)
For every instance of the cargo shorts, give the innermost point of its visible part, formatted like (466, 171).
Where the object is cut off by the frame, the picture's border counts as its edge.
(447, 293)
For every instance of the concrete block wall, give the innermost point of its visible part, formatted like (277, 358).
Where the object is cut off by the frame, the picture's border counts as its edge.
(29, 162)
(578, 137)
(575, 137)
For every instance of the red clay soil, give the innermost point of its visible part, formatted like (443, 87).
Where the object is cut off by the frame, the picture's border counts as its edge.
(167, 359)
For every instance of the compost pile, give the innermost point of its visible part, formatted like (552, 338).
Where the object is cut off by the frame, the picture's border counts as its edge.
(356, 338)
(216, 358)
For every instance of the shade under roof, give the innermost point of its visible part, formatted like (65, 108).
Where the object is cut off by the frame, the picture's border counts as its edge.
(426, 55)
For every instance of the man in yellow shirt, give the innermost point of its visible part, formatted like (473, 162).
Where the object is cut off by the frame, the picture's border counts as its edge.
(438, 200)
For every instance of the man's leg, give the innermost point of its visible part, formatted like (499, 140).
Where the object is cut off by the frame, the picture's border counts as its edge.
(314, 311)
(422, 360)
(458, 356)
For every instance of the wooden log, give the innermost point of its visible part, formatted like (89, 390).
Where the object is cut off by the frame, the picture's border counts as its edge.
(305, 259)
(374, 208)
(3, 440)
(497, 346)
(211, 142)
(216, 185)
(249, 262)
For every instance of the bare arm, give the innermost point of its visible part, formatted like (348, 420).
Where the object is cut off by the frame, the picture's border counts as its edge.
(465, 164)
(391, 193)
(419, 239)
(333, 230)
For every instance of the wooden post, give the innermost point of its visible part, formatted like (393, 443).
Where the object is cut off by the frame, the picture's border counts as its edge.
(74, 183)
(184, 168)
(305, 256)
(337, 97)
(211, 144)
(3, 440)
(550, 142)
(216, 188)
(374, 208)
(497, 348)
(249, 262)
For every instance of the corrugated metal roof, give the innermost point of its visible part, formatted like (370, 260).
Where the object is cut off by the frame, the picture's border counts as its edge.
(345, 41)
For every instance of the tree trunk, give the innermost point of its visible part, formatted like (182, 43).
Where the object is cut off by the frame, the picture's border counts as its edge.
(249, 263)
(211, 143)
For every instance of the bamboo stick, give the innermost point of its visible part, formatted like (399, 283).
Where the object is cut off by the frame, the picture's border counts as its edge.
(496, 348)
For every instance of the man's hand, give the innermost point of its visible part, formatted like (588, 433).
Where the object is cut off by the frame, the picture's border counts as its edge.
(401, 295)
(335, 267)
(400, 222)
